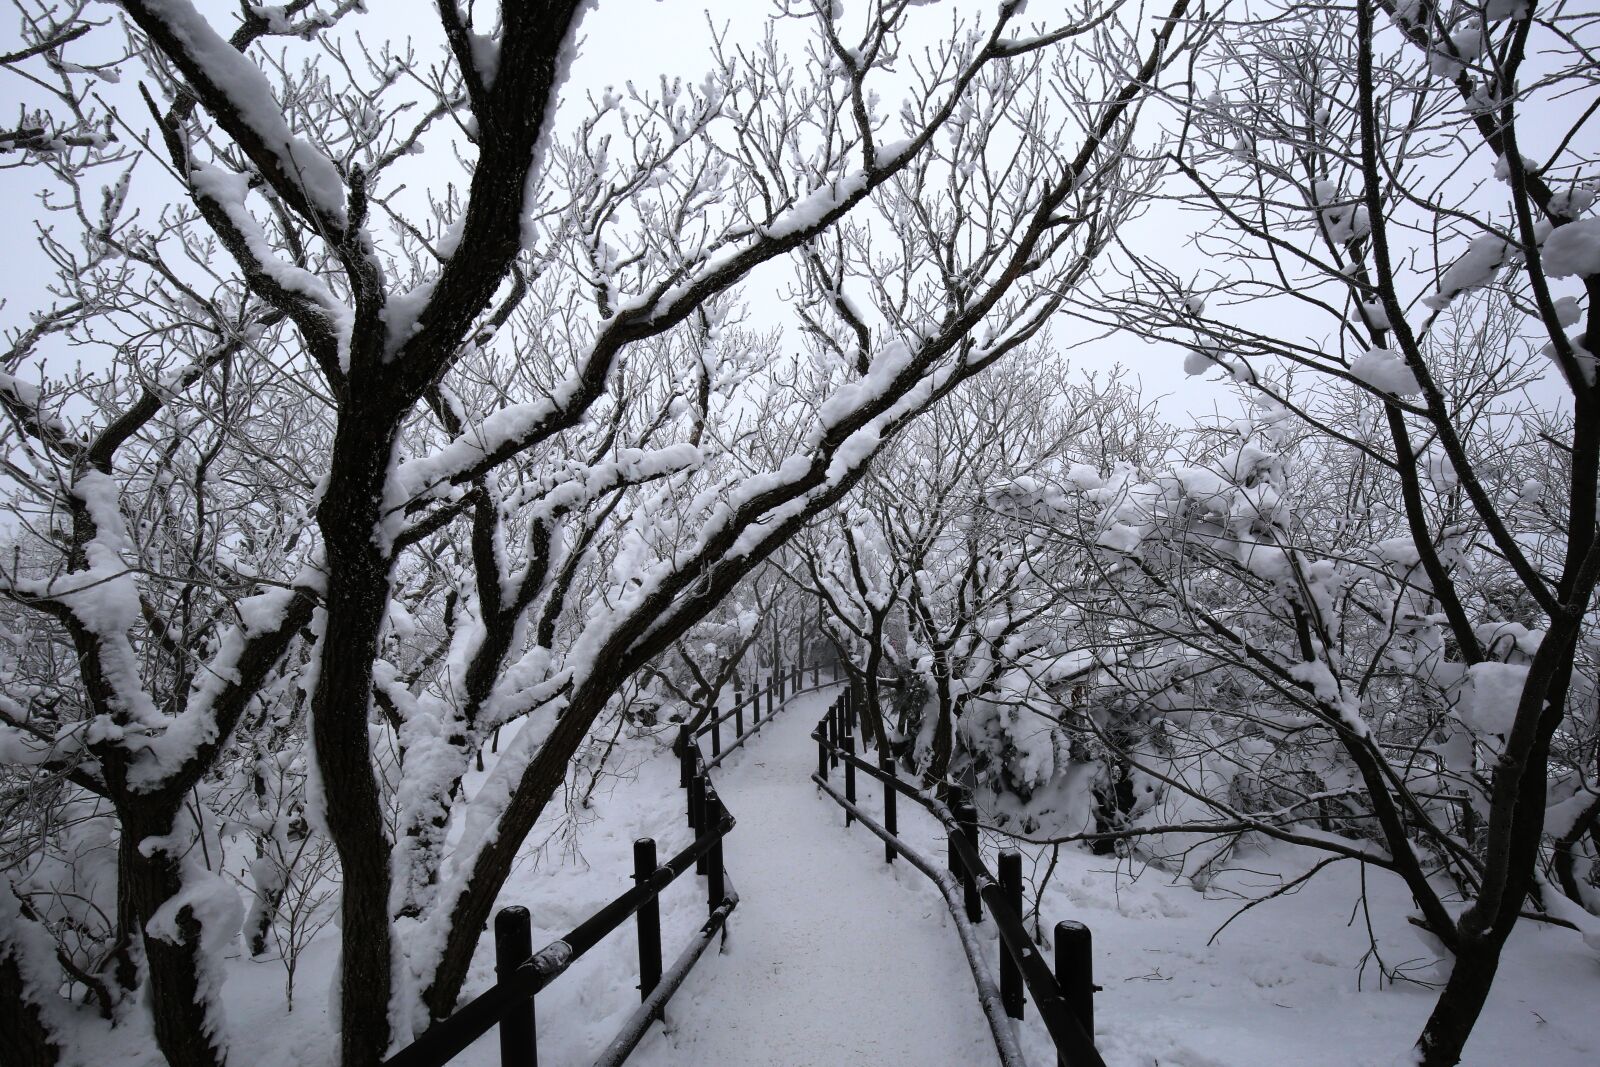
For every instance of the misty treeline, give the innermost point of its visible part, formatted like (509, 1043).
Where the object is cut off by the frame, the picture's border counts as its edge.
(394, 408)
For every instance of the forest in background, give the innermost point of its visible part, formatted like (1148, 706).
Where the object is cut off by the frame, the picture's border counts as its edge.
(371, 416)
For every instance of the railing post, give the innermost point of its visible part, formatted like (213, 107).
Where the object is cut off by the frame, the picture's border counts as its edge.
(683, 746)
(1011, 967)
(716, 733)
(716, 888)
(738, 719)
(770, 684)
(697, 800)
(833, 735)
(967, 826)
(1075, 974)
(951, 856)
(822, 747)
(513, 946)
(849, 718)
(891, 798)
(649, 916)
(849, 776)
(755, 706)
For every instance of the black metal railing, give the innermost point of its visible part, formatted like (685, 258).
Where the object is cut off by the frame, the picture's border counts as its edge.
(1064, 997)
(521, 972)
(783, 685)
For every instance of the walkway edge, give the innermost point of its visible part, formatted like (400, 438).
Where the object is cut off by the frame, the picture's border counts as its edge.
(1005, 1038)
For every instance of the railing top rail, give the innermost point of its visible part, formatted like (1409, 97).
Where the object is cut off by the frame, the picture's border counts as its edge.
(988, 996)
(633, 1030)
(894, 781)
(449, 1037)
(755, 728)
(722, 717)
(1066, 1031)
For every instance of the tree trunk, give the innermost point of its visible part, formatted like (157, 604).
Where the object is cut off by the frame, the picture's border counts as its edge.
(871, 705)
(358, 593)
(1458, 1007)
(176, 997)
(943, 739)
(1481, 936)
(1113, 802)
(269, 895)
(25, 1040)
(471, 911)
(1564, 853)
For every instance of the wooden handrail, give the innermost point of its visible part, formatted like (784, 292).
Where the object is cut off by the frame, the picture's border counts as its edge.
(1005, 1038)
(638, 1023)
(1063, 1015)
(447, 1038)
(755, 728)
(900, 785)
(1075, 1046)
(520, 981)
(754, 696)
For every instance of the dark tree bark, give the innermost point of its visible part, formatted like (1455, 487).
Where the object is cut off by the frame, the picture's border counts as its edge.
(376, 386)
(146, 881)
(25, 1040)
(1564, 851)
(357, 598)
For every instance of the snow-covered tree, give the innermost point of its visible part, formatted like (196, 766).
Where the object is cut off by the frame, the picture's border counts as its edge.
(378, 458)
(1373, 593)
(926, 571)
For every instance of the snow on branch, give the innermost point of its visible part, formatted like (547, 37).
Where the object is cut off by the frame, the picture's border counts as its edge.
(238, 96)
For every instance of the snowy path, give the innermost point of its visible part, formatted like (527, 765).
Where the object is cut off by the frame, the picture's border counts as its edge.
(834, 958)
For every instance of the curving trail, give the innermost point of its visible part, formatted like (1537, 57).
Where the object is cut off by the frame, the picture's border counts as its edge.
(834, 958)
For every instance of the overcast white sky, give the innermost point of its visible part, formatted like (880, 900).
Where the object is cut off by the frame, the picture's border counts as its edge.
(638, 40)
(623, 39)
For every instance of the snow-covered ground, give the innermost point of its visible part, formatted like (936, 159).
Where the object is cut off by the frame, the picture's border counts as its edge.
(1288, 983)
(835, 958)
